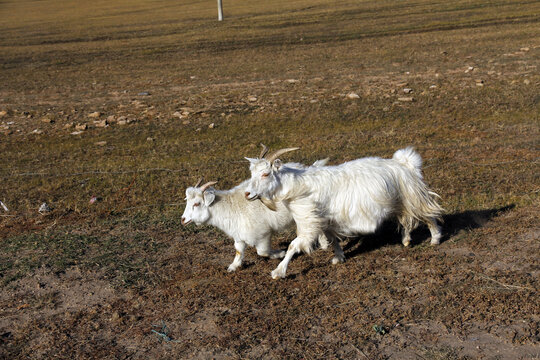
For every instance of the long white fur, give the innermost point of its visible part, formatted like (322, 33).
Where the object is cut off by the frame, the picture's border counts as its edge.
(248, 223)
(352, 198)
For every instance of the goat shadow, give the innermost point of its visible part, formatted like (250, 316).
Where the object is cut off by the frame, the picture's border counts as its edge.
(452, 224)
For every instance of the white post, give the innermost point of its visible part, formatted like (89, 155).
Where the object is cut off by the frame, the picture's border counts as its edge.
(220, 10)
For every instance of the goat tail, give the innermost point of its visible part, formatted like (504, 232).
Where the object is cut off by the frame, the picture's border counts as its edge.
(409, 158)
(418, 202)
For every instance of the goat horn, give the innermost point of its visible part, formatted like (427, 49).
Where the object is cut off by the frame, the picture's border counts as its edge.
(207, 185)
(263, 151)
(198, 183)
(275, 155)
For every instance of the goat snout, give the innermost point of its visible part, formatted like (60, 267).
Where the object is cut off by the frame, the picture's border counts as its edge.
(184, 221)
(250, 197)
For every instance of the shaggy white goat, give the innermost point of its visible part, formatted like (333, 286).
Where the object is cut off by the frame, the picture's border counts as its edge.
(352, 198)
(248, 223)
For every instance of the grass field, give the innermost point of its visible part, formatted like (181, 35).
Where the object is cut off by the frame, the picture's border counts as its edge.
(130, 102)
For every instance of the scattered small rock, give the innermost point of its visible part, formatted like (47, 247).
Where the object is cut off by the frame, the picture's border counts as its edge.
(186, 122)
(94, 115)
(37, 131)
(252, 98)
(44, 208)
(292, 81)
(178, 114)
(144, 93)
(81, 127)
(69, 125)
(150, 139)
(526, 81)
(469, 69)
(93, 199)
(76, 133)
(101, 124)
(403, 84)
(433, 87)
(101, 143)
(4, 206)
(110, 118)
(379, 329)
(406, 99)
(524, 49)
(353, 95)
(3, 113)
(211, 126)
(115, 316)
(407, 90)
(47, 120)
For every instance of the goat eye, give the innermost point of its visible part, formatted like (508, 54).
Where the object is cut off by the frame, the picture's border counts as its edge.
(265, 175)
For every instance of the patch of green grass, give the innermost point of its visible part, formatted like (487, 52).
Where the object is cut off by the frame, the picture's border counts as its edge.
(124, 258)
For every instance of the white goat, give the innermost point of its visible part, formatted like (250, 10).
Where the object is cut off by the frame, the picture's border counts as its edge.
(352, 198)
(248, 223)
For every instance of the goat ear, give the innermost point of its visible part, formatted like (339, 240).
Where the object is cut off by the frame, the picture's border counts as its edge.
(190, 192)
(251, 160)
(209, 197)
(276, 164)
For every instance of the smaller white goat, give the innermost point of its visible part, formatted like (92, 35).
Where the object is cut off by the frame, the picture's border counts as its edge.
(248, 223)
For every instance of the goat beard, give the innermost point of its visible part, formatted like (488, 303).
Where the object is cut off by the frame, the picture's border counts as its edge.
(268, 203)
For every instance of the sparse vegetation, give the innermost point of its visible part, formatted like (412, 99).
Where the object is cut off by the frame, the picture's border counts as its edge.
(90, 278)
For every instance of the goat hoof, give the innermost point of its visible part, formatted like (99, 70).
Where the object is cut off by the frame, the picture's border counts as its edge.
(278, 255)
(232, 268)
(406, 243)
(435, 241)
(338, 260)
(278, 274)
